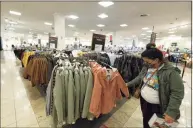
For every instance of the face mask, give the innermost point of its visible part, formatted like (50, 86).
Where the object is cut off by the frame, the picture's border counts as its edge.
(149, 65)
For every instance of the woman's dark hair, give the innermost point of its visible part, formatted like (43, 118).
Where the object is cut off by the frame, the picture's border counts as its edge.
(150, 45)
(152, 52)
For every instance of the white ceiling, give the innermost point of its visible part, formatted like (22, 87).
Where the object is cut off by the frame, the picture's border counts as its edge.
(34, 14)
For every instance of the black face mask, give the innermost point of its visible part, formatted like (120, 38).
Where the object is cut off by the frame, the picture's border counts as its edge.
(148, 65)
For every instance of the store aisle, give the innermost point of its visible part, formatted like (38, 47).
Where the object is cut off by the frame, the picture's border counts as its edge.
(23, 106)
(16, 110)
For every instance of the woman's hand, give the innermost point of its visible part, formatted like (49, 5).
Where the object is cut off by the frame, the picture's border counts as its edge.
(168, 119)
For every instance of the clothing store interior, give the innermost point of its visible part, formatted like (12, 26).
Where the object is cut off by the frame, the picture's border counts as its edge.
(81, 64)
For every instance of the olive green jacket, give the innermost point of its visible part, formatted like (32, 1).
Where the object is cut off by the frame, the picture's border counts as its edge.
(171, 89)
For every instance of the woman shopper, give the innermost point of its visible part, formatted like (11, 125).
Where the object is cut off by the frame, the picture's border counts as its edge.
(161, 89)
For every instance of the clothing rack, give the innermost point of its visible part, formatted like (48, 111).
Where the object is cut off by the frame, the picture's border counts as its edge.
(87, 63)
(129, 67)
(86, 98)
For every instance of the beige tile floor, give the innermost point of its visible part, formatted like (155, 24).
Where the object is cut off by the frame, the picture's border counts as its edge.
(23, 106)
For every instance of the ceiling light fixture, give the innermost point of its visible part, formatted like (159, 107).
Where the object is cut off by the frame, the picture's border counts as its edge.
(123, 25)
(105, 3)
(6, 20)
(171, 32)
(15, 13)
(143, 34)
(12, 22)
(172, 29)
(47, 23)
(150, 31)
(11, 29)
(73, 17)
(145, 28)
(46, 33)
(70, 25)
(100, 25)
(184, 26)
(92, 30)
(103, 15)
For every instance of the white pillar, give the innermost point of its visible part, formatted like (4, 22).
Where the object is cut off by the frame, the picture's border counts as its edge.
(59, 28)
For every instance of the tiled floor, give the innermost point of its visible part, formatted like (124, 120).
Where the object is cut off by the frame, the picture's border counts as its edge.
(23, 106)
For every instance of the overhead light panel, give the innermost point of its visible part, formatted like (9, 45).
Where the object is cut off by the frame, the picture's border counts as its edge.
(171, 32)
(100, 25)
(6, 20)
(150, 31)
(15, 13)
(11, 29)
(123, 25)
(12, 22)
(92, 30)
(74, 17)
(145, 28)
(70, 25)
(47, 23)
(106, 3)
(172, 29)
(103, 15)
(183, 26)
(143, 34)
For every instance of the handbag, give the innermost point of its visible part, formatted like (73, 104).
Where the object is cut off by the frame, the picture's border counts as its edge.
(138, 90)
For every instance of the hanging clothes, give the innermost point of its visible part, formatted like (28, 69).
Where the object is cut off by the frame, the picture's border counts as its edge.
(106, 90)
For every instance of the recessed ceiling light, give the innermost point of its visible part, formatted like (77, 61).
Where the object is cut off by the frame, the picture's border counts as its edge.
(171, 32)
(11, 29)
(143, 34)
(150, 31)
(47, 23)
(6, 20)
(105, 3)
(144, 38)
(172, 35)
(123, 25)
(148, 36)
(73, 17)
(145, 28)
(46, 33)
(172, 29)
(15, 13)
(12, 22)
(70, 25)
(183, 26)
(92, 30)
(100, 25)
(103, 15)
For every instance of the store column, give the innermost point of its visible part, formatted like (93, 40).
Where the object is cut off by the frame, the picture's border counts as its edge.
(59, 28)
